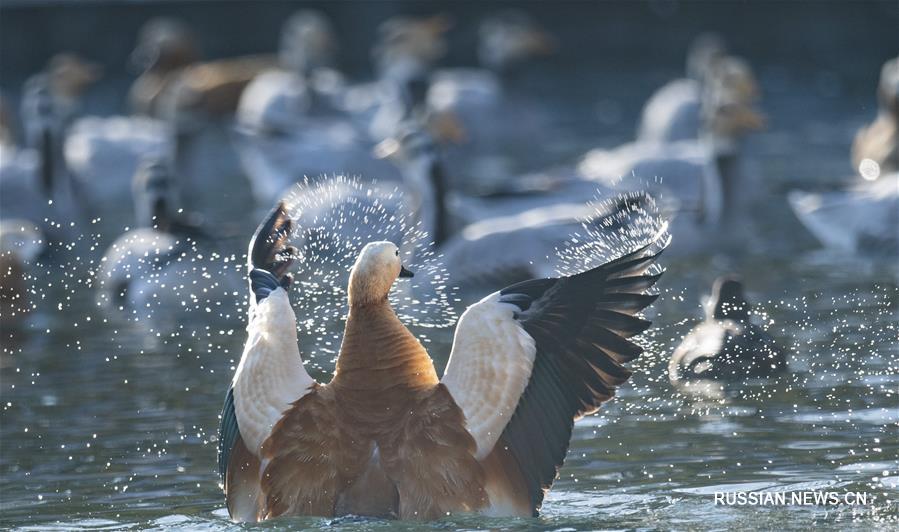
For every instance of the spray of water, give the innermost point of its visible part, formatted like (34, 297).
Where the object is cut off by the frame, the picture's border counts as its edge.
(336, 218)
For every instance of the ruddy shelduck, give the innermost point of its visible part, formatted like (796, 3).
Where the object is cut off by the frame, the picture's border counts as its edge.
(389, 438)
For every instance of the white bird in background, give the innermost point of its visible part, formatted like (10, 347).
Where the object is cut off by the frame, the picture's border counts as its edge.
(471, 106)
(494, 240)
(700, 183)
(35, 184)
(159, 271)
(539, 241)
(674, 111)
(861, 219)
(404, 56)
(876, 146)
(103, 153)
(280, 142)
(309, 48)
(91, 158)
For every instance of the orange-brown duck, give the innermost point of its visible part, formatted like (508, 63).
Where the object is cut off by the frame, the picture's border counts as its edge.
(387, 437)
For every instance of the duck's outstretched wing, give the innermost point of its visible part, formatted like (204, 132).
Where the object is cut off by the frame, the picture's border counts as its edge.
(270, 376)
(530, 359)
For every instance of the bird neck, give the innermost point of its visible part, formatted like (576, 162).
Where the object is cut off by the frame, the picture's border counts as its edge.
(720, 179)
(379, 359)
(727, 164)
(429, 184)
(48, 161)
(160, 216)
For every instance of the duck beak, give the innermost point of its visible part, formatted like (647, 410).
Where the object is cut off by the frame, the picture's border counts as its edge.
(405, 274)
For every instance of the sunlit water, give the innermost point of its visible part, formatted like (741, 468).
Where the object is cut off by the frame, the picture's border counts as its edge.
(111, 424)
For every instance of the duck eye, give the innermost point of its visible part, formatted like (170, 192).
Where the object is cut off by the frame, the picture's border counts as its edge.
(397, 253)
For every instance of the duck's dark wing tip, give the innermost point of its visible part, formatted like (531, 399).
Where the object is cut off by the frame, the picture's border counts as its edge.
(270, 238)
(580, 328)
(269, 254)
(580, 325)
(228, 434)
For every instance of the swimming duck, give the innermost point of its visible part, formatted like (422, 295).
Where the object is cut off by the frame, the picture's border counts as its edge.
(197, 100)
(699, 182)
(511, 238)
(404, 56)
(727, 346)
(103, 153)
(307, 50)
(863, 218)
(674, 111)
(532, 243)
(308, 47)
(469, 106)
(35, 184)
(386, 437)
(875, 150)
(99, 154)
(280, 142)
(194, 97)
(165, 46)
(65, 78)
(156, 270)
(418, 156)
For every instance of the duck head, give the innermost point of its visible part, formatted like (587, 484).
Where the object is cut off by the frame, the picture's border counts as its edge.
(374, 272)
(308, 42)
(164, 45)
(727, 119)
(734, 76)
(509, 39)
(729, 301)
(70, 75)
(408, 48)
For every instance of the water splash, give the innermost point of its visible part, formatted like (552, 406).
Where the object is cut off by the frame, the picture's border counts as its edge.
(335, 219)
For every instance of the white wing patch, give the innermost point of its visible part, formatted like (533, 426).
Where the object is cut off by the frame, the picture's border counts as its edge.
(489, 368)
(271, 373)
